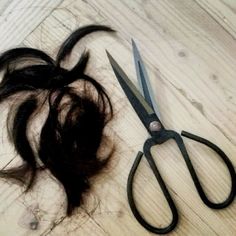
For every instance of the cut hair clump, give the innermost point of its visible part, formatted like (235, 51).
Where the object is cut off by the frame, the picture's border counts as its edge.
(72, 132)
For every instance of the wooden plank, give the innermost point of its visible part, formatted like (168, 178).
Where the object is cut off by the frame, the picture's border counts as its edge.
(19, 18)
(223, 11)
(195, 57)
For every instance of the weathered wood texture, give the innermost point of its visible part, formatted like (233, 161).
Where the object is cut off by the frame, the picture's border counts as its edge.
(191, 44)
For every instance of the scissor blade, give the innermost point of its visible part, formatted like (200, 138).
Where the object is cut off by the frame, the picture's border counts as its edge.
(143, 79)
(142, 108)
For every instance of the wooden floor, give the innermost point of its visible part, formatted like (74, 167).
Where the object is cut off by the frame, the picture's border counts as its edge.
(191, 44)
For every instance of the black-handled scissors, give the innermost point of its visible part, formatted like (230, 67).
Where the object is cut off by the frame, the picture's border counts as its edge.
(144, 104)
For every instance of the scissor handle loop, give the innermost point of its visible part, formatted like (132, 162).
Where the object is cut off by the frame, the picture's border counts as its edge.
(195, 178)
(163, 136)
(147, 151)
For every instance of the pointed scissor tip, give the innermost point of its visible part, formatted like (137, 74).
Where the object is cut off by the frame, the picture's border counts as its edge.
(133, 43)
(110, 58)
(112, 61)
(135, 51)
(108, 54)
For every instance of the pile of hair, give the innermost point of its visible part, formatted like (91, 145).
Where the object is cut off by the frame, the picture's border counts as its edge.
(77, 114)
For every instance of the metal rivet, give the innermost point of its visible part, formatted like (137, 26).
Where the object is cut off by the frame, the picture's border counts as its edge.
(155, 126)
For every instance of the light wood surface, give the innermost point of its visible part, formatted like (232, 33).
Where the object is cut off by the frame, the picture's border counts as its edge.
(191, 44)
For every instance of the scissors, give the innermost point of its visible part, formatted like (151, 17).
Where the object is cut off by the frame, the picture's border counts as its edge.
(144, 104)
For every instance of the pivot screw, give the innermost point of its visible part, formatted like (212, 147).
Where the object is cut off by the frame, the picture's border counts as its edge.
(155, 126)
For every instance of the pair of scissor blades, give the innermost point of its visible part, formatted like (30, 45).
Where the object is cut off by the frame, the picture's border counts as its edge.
(142, 100)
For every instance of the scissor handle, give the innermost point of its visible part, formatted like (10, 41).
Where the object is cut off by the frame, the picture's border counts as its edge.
(147, 151)
(195, 178)
(161, 138)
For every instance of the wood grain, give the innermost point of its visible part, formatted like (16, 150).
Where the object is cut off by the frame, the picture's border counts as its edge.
(191, 45)
(19, 18)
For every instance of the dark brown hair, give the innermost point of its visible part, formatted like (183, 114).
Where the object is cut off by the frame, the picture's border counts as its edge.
(72, 132)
